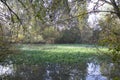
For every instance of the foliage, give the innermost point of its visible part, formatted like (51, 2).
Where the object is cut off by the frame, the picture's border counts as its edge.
(71, 35)
(110, 36)
(41, 21)
(59, 53)
(50, 34)
(40, 17)
(5, 47)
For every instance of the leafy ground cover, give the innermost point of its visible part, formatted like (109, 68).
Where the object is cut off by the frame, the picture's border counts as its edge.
(57, 53)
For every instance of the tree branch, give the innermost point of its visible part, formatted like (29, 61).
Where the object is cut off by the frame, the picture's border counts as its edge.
(67, 19)
(106, 2)
(5, 3)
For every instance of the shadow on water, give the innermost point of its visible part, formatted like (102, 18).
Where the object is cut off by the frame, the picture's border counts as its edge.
(49, 71)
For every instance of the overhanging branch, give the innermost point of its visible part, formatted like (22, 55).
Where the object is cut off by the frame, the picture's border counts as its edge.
(5, 3)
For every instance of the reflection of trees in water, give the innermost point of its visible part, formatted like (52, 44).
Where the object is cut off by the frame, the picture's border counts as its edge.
(67, 72)
(83, 71)
(110, 70)
(49, 72)
(26, 72)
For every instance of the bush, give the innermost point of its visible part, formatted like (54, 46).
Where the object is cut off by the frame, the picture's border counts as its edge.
(71, 35)
(5, 47)
(50, 34)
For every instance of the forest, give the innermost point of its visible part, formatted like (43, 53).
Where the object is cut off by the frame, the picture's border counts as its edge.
(59, 39)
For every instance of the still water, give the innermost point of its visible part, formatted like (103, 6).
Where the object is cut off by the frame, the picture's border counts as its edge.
(49, 71)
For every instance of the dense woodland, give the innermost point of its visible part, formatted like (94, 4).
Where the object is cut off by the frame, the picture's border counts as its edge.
(59, 39)
(60, 21)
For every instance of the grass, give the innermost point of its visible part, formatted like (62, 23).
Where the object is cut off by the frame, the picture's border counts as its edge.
(56, 53)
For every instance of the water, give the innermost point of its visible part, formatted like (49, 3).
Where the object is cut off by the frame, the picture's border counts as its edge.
(48, 71)
(6, 70)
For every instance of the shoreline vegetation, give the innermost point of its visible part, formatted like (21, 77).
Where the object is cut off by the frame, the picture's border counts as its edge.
(57, 53)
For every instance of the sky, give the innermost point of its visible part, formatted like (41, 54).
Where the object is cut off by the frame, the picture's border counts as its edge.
(94, 18)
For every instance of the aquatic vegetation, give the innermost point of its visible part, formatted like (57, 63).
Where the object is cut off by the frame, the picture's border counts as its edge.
(57, 53)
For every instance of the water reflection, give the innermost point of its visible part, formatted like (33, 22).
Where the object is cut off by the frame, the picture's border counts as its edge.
(94, 72)
(83, 71)
(8, 69)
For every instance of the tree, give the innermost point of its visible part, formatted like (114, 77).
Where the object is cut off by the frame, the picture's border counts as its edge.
(50, 34)
(5, 47)
(32, 15)
(110, 36)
